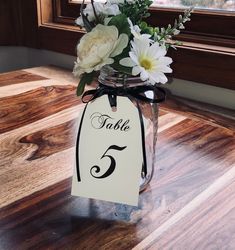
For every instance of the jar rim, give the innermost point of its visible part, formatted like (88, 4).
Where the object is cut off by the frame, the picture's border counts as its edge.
(111, 77)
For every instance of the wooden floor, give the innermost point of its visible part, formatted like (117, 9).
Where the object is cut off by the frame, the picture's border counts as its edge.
(190, 203)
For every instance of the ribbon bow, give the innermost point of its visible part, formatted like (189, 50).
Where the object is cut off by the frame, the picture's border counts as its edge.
(137, 92)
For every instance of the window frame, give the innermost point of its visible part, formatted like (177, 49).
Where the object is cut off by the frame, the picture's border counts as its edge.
(206, 56)
(198, 30)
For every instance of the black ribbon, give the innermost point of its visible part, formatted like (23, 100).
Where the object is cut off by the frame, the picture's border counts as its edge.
(137, 93)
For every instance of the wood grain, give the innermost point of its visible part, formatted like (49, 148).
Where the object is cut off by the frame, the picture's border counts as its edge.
(19, 76)
(219, 230)
(208, 113)
(189, 204)
(25, 108)
(18, 175)
(55, 73)
(52, 140)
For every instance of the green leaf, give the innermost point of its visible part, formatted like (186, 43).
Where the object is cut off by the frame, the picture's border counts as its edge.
(86, 78)
(80, 88)
(143, 25)
(120, 21)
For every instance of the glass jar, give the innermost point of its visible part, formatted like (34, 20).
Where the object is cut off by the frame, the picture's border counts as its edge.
(111, 78)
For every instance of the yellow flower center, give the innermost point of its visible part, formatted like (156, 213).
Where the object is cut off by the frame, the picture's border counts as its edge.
(146, 63)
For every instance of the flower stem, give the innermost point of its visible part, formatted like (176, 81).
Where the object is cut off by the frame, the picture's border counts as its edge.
(95, 14)
(88, 26)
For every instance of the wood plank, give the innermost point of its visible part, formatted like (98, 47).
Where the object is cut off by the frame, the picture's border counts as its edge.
(25, 108)
(62, 137)
(54, 72)
(211, 114)
(16, 170)
(162, 112)
(19, 76)
(20, 205)
(16, 89)
(25, 177)
(217, 231)
(168, 120)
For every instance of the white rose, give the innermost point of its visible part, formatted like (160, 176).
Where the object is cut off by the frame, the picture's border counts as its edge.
(97, 48)
(101, 9)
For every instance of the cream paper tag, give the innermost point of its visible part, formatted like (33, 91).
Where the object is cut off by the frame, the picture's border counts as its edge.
(110, 154)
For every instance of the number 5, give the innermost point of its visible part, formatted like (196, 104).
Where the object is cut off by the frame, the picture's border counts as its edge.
(96, 169)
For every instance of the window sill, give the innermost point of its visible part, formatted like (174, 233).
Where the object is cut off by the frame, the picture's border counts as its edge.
(199, 62)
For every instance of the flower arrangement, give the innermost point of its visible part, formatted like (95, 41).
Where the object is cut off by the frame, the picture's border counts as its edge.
(118, 36)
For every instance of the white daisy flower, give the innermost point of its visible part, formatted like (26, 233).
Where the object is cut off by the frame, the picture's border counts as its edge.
(148, 60)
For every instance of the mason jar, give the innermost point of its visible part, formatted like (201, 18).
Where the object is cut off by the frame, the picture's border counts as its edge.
(149, 112)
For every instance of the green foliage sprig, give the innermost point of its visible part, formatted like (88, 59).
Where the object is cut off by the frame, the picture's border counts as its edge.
(137, 10)
(162, 35)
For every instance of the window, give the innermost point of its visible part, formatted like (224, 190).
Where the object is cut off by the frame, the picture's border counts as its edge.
(208, 51)
(207, 4)
(201, 4)
(206, 27)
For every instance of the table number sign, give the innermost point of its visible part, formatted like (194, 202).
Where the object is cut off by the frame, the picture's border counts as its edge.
(109, 152)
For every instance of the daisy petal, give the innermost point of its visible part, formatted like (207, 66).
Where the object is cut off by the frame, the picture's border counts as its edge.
(144, 75)
(165, 69)
(159, 52)
(134, 57)
(136, 70)
(154, 78)
(165, 60)
(159, 77)
(163, 78)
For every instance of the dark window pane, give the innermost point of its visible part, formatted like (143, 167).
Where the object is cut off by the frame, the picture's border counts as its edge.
(208, 4)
